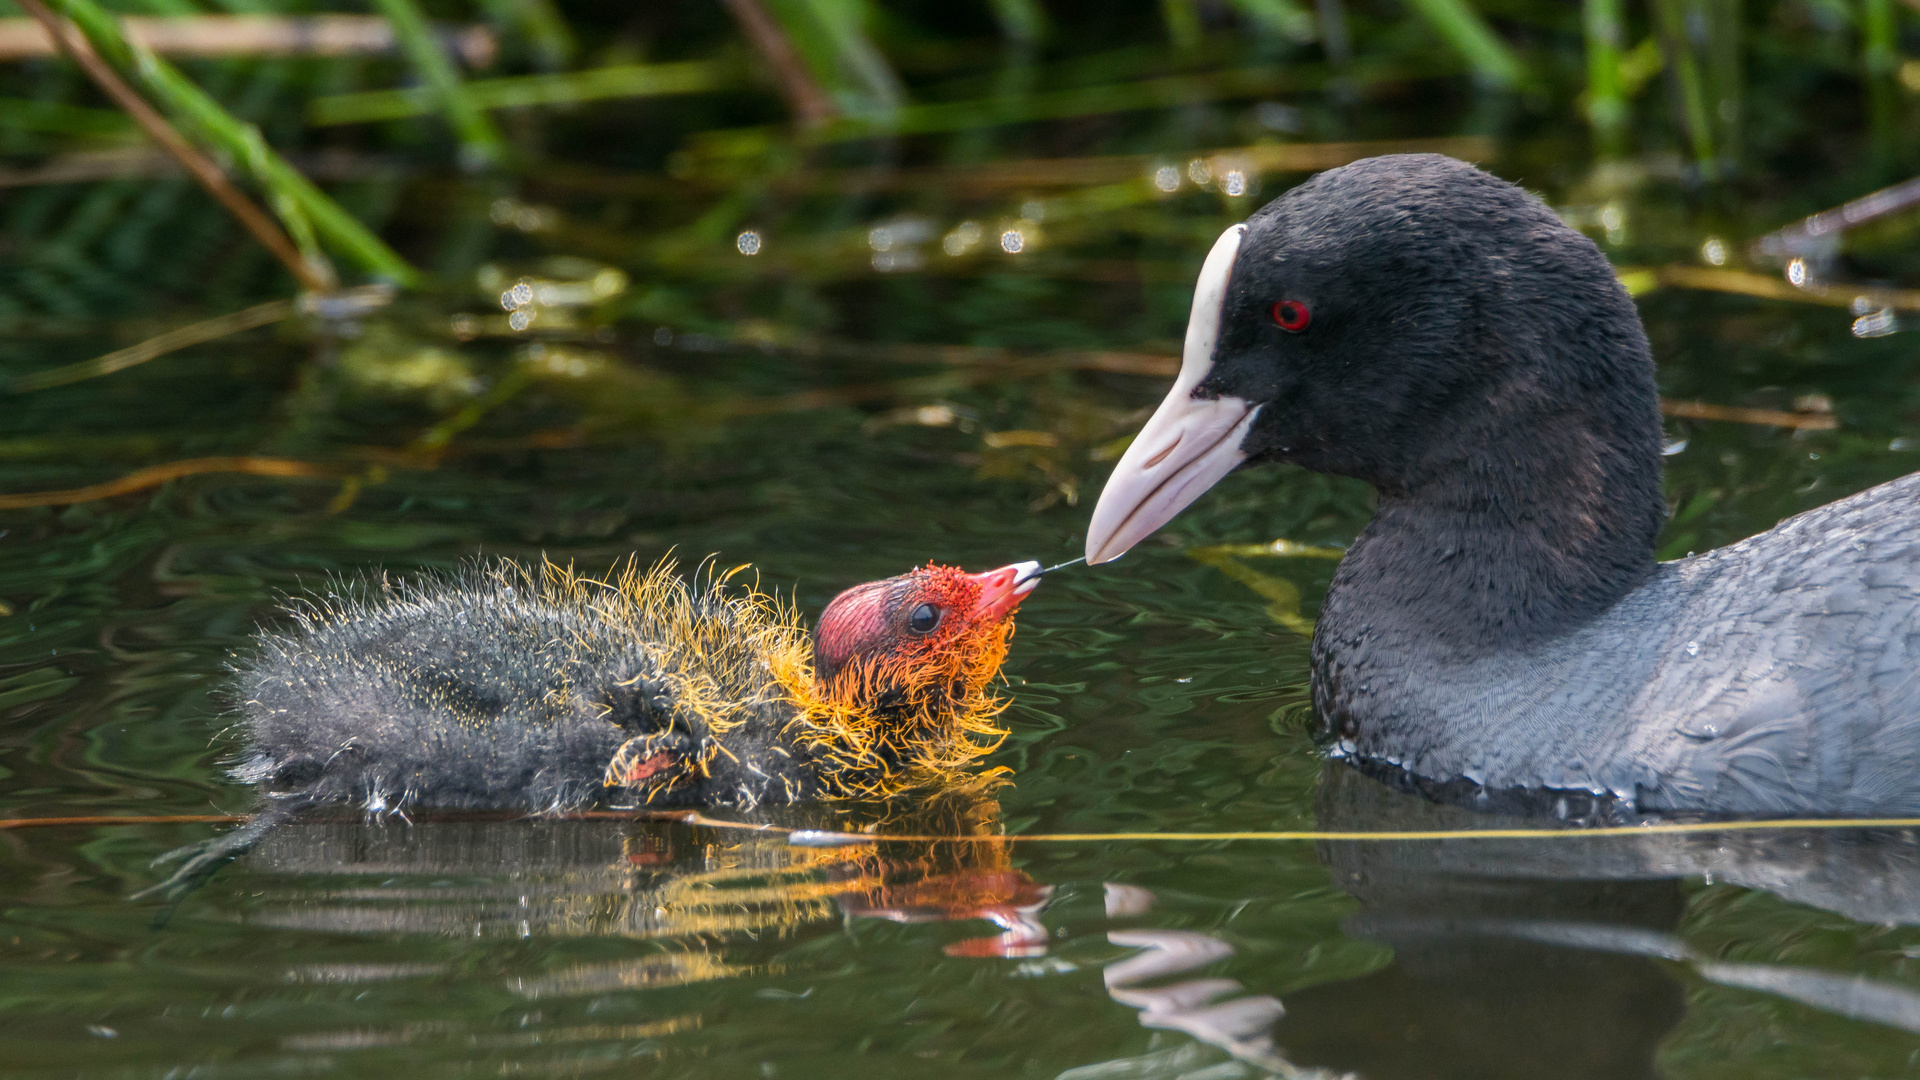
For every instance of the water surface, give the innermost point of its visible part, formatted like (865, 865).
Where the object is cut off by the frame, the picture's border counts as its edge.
(797, 412)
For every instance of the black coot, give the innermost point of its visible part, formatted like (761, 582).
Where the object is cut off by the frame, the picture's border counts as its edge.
(1439, 333)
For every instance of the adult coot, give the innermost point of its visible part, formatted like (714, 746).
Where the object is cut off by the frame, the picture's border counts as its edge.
(1439, 333)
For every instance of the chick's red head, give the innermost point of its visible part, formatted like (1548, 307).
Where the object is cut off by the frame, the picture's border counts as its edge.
(936, 628)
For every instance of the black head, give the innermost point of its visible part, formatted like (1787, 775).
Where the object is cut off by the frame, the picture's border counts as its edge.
(1399, 320)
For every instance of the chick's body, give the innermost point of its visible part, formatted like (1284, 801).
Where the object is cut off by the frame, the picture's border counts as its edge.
(506, 687)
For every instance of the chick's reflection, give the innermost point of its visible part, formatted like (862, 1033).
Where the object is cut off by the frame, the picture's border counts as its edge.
(902, 891)
(688, 885)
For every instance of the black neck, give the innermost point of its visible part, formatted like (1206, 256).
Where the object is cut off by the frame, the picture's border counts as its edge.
(1525, 525)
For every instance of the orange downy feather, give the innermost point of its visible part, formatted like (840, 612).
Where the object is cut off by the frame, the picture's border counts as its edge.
(723, 649)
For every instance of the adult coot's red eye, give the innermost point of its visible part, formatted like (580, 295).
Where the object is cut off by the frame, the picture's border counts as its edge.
(1291, 316)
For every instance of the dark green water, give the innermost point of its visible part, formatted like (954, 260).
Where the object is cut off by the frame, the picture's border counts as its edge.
(1155, 695)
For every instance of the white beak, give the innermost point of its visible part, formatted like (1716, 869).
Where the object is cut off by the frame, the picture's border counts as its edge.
(1188, 443)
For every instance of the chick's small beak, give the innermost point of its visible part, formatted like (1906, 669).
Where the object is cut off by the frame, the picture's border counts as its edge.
(1002, 590)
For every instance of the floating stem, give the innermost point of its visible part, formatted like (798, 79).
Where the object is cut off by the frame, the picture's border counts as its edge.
(616, 81)
(154, 475)
(120, 359)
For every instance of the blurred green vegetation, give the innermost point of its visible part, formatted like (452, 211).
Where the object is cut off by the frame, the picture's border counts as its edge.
(665, 132)
(942, 196)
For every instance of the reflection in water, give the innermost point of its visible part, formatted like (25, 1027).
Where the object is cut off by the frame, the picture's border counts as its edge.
(1496, 942)
(1854, 996)
(1007, 898)
(1870, 876)
(688, 890)
(1242, 1026)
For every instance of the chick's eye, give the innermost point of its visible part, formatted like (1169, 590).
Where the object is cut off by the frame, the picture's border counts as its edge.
(1291, 316)
(924, 619)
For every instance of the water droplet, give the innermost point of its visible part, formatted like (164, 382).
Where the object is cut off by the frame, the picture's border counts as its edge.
(1274, 116)
(962, 238)
(748, 242)
(1876, 324)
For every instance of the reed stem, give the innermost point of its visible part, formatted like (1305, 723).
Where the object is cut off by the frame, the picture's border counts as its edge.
(1694, 114)
(481, 144)
(811, 106)
(313, 275)
(1606, 100)
(1880, 59)
(306, 212)
(1493, 63)
(1183, 23)
(594, 84)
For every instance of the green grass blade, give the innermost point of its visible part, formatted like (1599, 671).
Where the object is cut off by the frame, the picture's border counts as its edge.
(1463, 28)
(548, 37)
(1606, 98)
(1693, 95)
(305, 210)
(1023, 22)
(625, 80)
(831, 38)
(480, 142)
(1183, 23)
(1286, 18)
(57, 118)
(1880, 55)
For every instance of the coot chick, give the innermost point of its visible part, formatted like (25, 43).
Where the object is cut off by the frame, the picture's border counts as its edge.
(540, 690)
(1439, 333)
